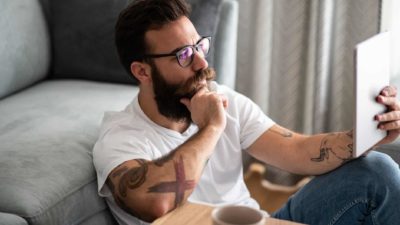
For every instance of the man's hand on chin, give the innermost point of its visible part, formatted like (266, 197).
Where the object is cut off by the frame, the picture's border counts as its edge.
(207, 108)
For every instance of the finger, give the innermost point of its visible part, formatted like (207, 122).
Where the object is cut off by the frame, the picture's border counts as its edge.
(388, 101)
(186, 102)
(389, 91)
(389, 116)
(200, 92)
(224, 101)
(203, 90)
(394, 125)
(390, 137)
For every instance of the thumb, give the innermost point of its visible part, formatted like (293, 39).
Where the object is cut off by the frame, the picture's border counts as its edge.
(224, 101)
(186, 102)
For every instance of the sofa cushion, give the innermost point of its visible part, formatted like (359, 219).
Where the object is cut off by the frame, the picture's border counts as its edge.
(24, 45)
(83, 38)
(103, 217)
(48, 131)
(11, 219)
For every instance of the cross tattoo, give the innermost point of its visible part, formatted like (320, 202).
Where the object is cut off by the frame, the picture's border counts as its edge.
(179, 186)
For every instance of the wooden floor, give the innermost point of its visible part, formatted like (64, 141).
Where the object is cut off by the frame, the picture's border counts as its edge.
(270, 196)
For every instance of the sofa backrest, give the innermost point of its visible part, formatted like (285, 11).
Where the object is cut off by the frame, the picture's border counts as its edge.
(83, 40)
(83, 37)
(24, 45)
(77, 38)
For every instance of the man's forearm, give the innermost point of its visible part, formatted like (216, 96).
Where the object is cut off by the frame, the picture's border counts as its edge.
(303, 154)
(328, 151)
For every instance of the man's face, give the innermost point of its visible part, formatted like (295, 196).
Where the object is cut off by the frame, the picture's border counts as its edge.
(170, 80)
(168, 95)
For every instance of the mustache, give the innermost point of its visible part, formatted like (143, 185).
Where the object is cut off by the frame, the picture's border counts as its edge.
(192, 85)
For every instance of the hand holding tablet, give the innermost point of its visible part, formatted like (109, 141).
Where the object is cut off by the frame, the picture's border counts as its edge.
(372, 74)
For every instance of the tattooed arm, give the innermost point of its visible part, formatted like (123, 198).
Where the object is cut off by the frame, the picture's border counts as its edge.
(303, 154)
(149, 189)
(322, 153)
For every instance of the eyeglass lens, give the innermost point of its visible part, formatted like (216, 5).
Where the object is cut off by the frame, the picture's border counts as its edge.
(185, 55)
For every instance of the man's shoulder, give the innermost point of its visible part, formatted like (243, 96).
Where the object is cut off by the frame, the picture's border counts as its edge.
(126, 120)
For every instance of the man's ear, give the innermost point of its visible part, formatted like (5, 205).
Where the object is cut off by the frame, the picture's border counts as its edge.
(141, 71)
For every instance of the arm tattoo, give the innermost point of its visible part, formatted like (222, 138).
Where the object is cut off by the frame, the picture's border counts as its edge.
(119, 171)
(350, 134)
(331, 145)
(133, 178)
(178, 187)
(119, 201)
(282, 132)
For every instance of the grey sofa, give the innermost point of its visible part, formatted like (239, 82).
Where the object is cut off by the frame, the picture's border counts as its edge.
(59, 72)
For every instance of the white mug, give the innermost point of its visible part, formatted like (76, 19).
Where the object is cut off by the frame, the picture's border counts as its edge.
(237, 215)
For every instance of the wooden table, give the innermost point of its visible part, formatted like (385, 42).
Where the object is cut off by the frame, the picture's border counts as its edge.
(196, 214)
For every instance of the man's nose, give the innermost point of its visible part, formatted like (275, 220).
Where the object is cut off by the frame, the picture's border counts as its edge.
(199, 61)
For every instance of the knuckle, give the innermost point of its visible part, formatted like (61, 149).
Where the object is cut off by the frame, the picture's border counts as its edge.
(394, 89)
(397, 107)
(391, 116)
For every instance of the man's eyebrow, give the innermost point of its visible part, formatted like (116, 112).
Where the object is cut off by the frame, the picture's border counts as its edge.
(179, 48)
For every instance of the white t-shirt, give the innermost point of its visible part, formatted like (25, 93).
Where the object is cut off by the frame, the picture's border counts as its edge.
(130, 134)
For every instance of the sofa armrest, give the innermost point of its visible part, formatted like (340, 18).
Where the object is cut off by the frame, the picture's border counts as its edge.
(225, 43)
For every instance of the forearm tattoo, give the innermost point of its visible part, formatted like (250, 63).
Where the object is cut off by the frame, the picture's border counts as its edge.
(334, 145)
(178, 187)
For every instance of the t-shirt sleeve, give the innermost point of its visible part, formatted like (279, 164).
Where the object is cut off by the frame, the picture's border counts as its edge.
(117, 144)
(253, 121)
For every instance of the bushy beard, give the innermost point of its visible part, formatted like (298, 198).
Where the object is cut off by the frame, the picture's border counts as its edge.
(168, 96)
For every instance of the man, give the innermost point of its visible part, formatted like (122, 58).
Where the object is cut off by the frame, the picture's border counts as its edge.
(181, 138)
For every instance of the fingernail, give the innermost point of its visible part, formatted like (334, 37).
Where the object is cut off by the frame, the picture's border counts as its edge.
(376, 117)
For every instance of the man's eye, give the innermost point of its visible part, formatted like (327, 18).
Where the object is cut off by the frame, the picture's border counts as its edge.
(185, 53)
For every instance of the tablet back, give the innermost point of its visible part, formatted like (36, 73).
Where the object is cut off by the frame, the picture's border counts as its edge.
(372, 74)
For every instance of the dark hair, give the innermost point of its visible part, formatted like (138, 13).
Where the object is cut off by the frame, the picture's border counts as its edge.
(139, 17)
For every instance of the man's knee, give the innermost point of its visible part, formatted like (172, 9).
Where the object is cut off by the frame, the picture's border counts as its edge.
(380, 167)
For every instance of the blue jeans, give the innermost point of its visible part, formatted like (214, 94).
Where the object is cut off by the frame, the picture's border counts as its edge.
(363, 191)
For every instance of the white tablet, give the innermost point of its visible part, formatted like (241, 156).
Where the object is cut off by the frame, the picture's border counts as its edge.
(372, 74)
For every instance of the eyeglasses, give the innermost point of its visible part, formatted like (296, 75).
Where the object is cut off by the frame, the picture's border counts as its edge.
(185, 54)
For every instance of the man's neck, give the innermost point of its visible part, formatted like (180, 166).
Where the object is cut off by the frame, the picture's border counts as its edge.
(149, 106)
